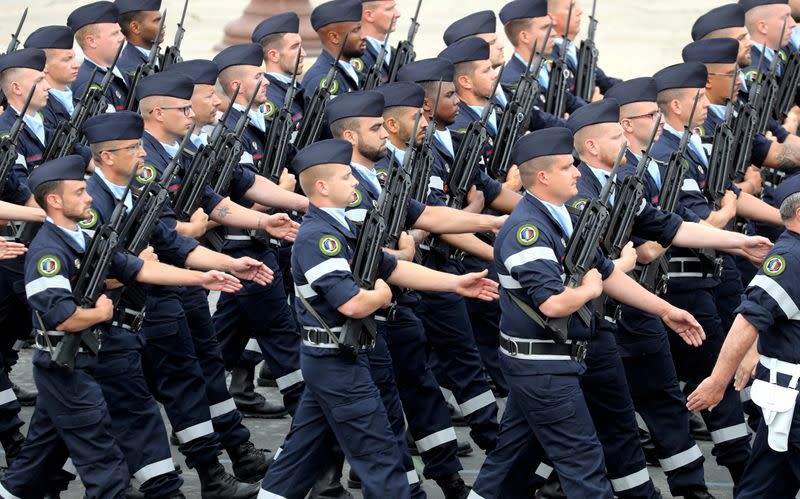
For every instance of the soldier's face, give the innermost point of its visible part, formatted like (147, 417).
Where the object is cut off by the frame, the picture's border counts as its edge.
(496, 49)
(372, 138)
(75, 200)
(62, 66)
(22, 85)
(741, 35)
(341, 185)
(720, 77)
(149, 21)
(560, 12)
(447, 112)
(483, 78)
(780, 13)
(406, 123)
(381, 14)
(176, 119)
(640, 118)
(611, 141)
(538, 30)
(356, 43)
(561, 179)
(205, 105)
(686, 103)
(108, 39)
(251, 76)
(292, 42)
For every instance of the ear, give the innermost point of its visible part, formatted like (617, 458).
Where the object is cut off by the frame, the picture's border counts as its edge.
(464, 81)
(391, 125)
(708, 85)
(350, 136)
(273, 56)
(541, 177)
(135, 28)
(590, 146)
(321, 187)
(675, 106)
(368, 15)
(334, 38)
(427, 105)
(626, 125)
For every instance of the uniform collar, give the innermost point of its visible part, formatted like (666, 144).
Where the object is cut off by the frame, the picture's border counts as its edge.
(368, 174)
(377, 45)
(35, 123)
(554, 212)
(104, 69)
(64, 97)
(395, 152)
(281, 77)
(444, 138)
(256, 119)
(116, 190)
(74, 238)
(346, 229)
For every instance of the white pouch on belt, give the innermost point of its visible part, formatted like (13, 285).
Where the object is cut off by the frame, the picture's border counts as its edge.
(777, 403)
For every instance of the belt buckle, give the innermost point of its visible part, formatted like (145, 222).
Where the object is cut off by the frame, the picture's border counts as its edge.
(581, 348)
(136, 324)
(392, 313)
(513, 347)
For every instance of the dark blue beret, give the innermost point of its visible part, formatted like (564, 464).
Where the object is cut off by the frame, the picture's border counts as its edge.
(165, 84)
(402, 93)
(125, 6)
(122, 125)
(288, 22)
(355, 105)
(751, 4)
(51, 37)
(93, 13)
(469, 49)
(523, 9)
(474, 24)
(323, 152)
(712, 51)
(602, 111)
(32, 58)
(427, 70)
(201, 71)
(337, 11)
(728, 16)
(245, 54)
(684, 75)
(72, 167)
(553, 141)
(636, 90)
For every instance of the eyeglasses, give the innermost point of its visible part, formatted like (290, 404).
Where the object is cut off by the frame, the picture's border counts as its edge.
(186, 109)
(651, 116)
(131, 148)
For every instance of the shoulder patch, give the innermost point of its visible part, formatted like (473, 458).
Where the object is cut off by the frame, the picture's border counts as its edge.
(269, 109)
(774, 265)
(334, 85)
(701, 130)
(784, 57)
(382, 174)
(48, 265)
(527, 235)
(90, 221)
(750, 76)
(579, 203)
(358, 64)
(357, 198)
(149, 173)
(330, 245)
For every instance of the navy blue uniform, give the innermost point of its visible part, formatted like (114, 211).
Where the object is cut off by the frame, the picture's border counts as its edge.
(55, 112)
(770, 305)
(601, 79)
(546, 414)
(341, 400)
(692, 287)
(644, 348)
(404, 367)
(129, 60)
(71, 418)
(276, 98)
(117, 91)
(256, 311)
(371, 55)
(319, 70)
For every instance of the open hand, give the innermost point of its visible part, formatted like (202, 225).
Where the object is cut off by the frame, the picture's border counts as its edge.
(251, 269)
(214, 280)
(706, 396)
(687, 327)
(476, 285)
(756, 248)
(10, 249)
(281, 226)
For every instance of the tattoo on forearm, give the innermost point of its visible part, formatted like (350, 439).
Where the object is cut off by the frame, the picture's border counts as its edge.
(789, 157)
(223, 212)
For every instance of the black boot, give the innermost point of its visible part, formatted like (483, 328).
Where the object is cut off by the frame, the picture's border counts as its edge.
(551, 489)
(329, 484)
(698, 494)
(25, 397)
(12, 444)
(265, 377)
(249, 463)
(697, 428)
(250, 403)
(453, 486)
(216, 483)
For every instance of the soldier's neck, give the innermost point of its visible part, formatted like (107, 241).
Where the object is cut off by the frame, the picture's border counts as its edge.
(160, 134)
(112, 176)
(472, 99)
(59, 219)
(543, 194)
(362, 160)
(372, 32)
(17, 105)
(56, 84)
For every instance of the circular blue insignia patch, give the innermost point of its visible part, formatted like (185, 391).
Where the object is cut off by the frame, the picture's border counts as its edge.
(334, 85)
(90, 221)
(527, 235)
(48, 265)
(579, 203)
(330, 245)
(357, 198)
(148, 174)
(269, 109)
(774, 265)
(358, 64)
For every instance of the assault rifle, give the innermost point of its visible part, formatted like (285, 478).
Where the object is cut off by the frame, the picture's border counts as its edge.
(12, 46)
(653, 276)
(421, 173)
(587, 61)
(513, 121)
(628, 200)
(145, 215)
(8, 143)
(745, 128)
(172, 54)
(470, 153)
(145, 69)
(69, 132)
(96, 102)
(404, 53)
(190, 193)
(765, 102)
(721, 166)
(559, 77)
(582, 252)
(315, 111)
(787, 90)
(280, 133)
(91, 284)
(373, 77)
(397, 190)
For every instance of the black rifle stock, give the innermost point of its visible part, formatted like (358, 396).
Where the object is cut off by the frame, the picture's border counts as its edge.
(559, 77)
(768, 94)
(315, 111)
(421, 173)
(397, 191)
(787, 90)
(172, 54)
(373, 76)
(69, 132)
(587, 61)
(12, 46)
(96, 102)
(8, 143)
(145, 69)
(721, 165)
(280, 134)
(404, 53)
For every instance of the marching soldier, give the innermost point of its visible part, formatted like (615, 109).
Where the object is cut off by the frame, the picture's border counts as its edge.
(378, 18)
(61, 69)
(99, 37)
(332, 21)
(341, 399)
(280, 41)
(139, 21)
(546, 414)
